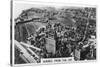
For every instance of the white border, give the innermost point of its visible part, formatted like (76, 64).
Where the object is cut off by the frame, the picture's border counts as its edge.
(52, 4)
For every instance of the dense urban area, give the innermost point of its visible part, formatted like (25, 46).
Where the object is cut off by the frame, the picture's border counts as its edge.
(50, 32)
